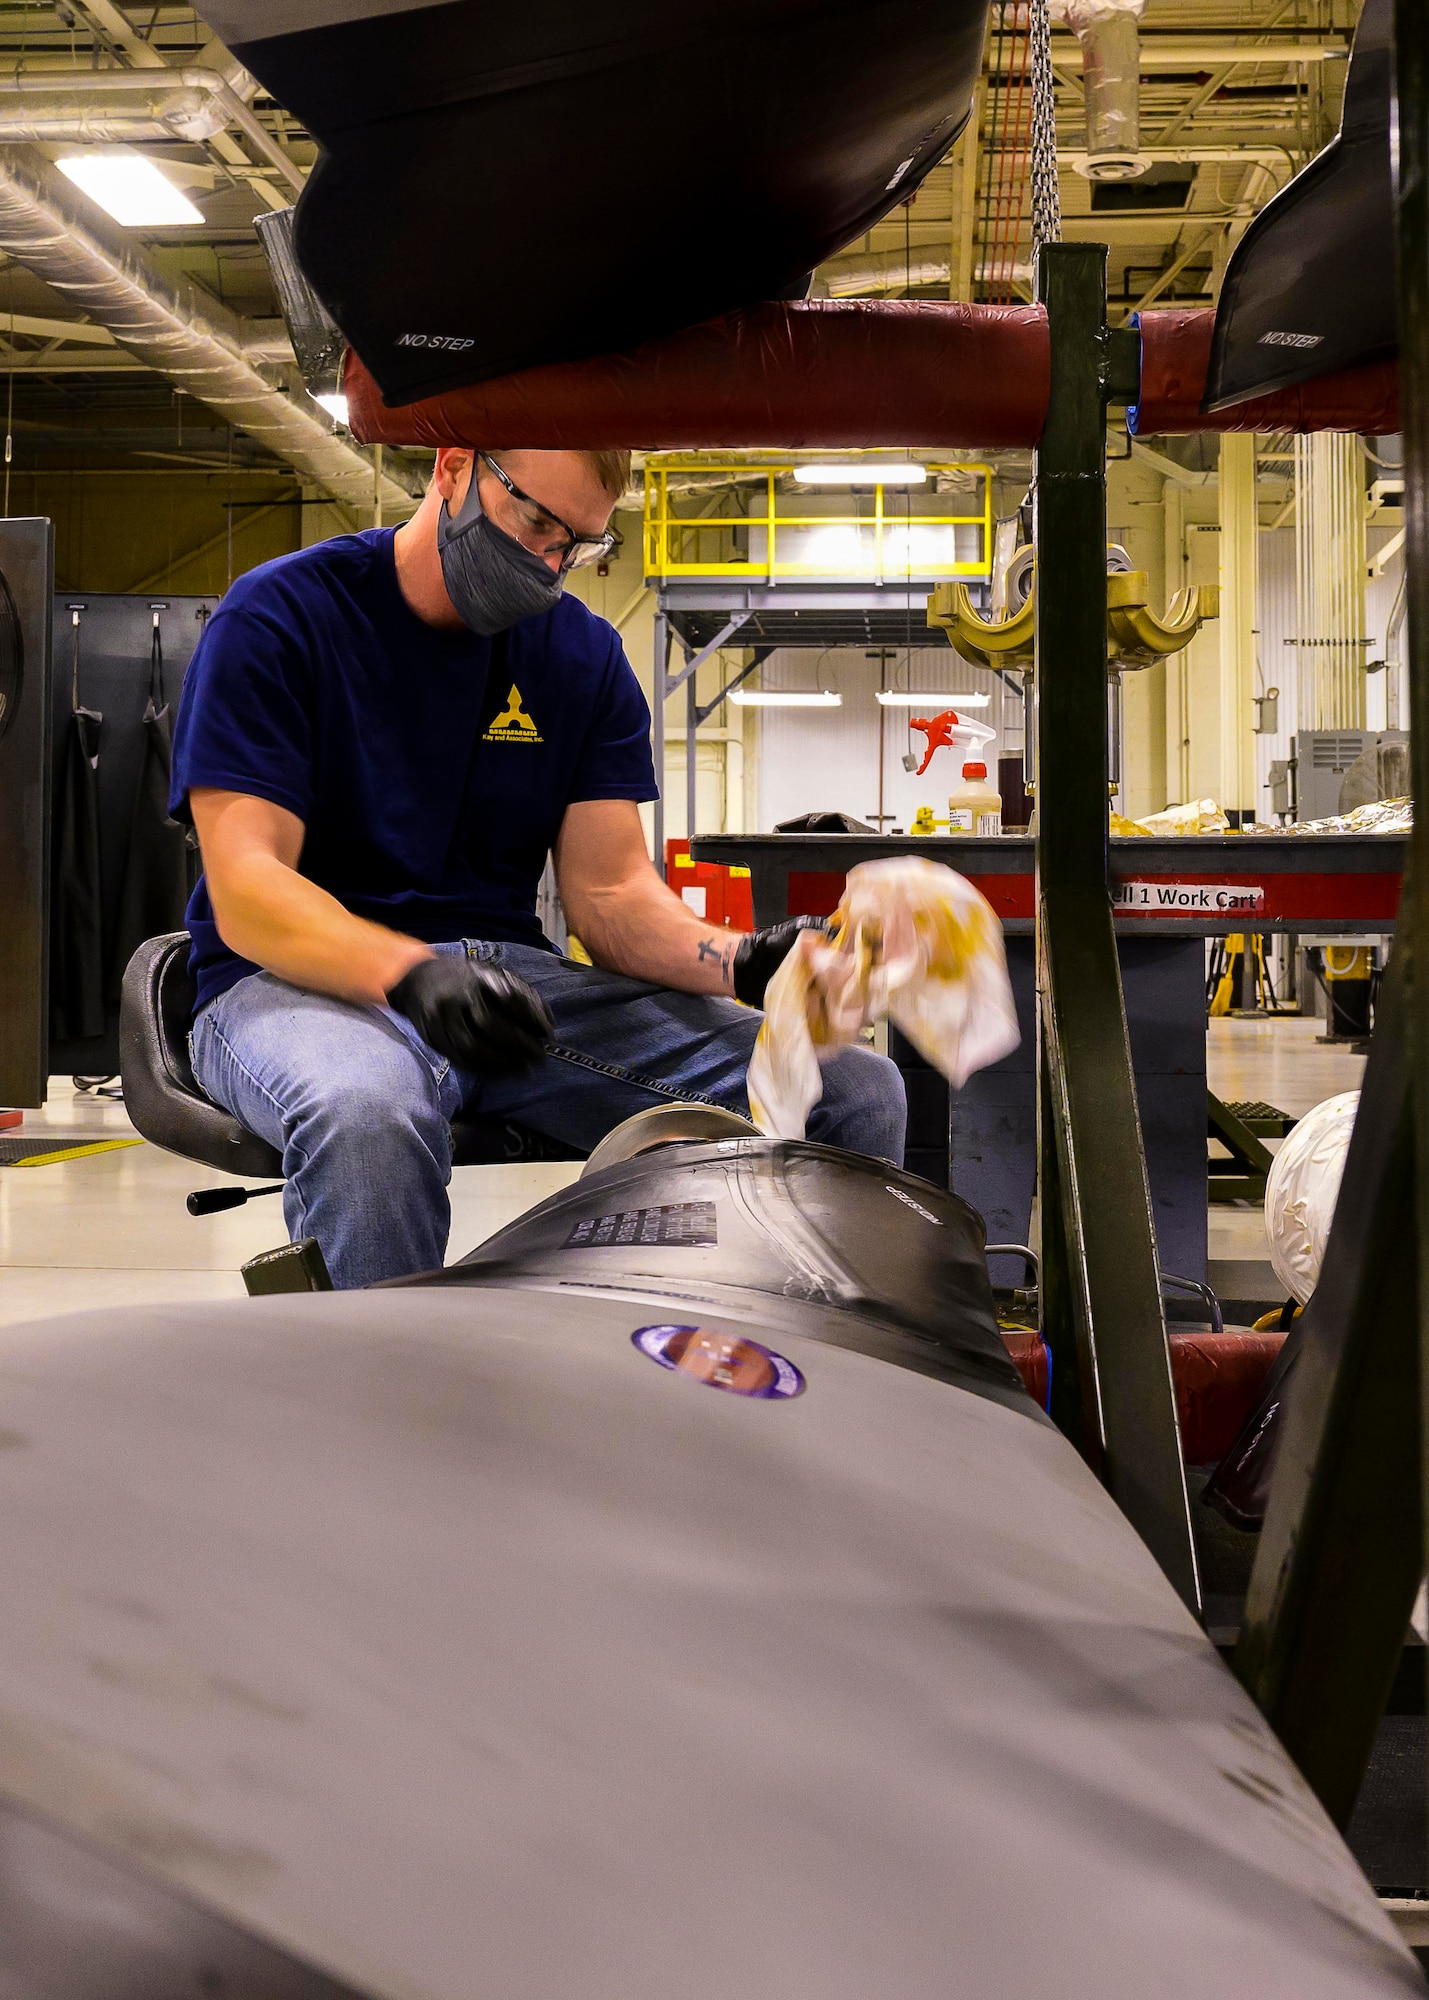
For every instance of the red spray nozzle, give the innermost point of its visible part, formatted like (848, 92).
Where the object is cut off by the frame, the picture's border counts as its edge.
(939, 731)
(947, 729)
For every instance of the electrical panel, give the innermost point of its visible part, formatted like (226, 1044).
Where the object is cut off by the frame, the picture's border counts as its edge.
(1339, 769)
(26, 584)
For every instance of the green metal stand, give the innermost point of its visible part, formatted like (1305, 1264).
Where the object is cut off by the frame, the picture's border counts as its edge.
(1102, 1311)
(1342, 1550)
(1411, 65)
(1243, 1176)
(1340, 1554)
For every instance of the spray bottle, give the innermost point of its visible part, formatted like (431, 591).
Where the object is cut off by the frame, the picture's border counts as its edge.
(976, 806)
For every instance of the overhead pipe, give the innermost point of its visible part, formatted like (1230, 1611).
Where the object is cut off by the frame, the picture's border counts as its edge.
(1111, 84)
(179, 331)
(1188, 52)
(856, 275)
(193, 104)
(879, 271)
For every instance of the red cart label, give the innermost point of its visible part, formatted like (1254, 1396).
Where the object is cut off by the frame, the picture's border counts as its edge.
(1180, 899)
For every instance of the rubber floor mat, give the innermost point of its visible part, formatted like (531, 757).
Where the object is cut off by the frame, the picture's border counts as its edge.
(1387, 1833)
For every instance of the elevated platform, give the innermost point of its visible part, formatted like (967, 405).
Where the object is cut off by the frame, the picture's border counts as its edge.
(804, 614)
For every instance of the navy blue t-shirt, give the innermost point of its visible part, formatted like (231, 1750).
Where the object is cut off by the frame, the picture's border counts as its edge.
(431, 769)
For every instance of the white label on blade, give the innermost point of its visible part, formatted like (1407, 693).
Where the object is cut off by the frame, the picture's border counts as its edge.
(1217, 899)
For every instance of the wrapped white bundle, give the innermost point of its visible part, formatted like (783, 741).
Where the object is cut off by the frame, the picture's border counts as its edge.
(1302, 1188)
(911, 940)
(1199, 816)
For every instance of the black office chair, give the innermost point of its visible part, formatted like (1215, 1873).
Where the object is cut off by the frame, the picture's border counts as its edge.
(166, 1105)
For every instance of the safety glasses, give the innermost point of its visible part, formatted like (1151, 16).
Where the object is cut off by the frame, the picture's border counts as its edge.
(537, 521)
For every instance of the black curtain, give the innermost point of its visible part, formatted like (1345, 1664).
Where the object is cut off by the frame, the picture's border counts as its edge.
(156, 880)
(76, 920)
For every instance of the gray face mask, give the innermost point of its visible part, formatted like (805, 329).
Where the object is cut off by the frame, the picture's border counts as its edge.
(491, 578)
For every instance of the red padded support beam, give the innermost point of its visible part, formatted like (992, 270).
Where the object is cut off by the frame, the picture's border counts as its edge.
(822, 373)
(1218, 1377)
(844, 374)
(1176, 352)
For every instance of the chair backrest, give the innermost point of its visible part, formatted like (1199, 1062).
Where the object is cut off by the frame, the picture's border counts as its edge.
(161, 1095)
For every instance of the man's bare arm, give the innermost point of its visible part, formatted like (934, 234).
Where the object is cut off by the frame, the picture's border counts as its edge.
(268, 912)
(623, 913)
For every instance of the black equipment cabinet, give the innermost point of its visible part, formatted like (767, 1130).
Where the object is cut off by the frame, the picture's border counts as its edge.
(116, 641)
(26, 582)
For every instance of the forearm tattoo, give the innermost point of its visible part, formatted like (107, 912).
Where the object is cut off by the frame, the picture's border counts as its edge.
(724, 953)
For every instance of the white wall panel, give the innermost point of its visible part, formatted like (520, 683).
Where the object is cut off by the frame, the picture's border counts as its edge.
(827, 760)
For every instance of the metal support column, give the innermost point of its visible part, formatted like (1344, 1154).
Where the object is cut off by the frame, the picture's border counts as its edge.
(660, 674)
(667, 684)
(692, 723)
(1102, 1311)
(1342, 1549)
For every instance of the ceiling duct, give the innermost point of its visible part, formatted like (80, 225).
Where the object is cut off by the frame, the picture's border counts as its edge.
(118, 106)
(1110, 36)
(180, 332)
(869, 272)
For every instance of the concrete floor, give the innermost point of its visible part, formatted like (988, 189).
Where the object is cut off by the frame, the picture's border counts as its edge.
(113, 1230)
(1283, 1063)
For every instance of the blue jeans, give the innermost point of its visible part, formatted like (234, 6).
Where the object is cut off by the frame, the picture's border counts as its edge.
(359, 1105)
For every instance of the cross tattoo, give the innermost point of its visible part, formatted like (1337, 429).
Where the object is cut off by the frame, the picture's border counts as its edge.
(709, 949)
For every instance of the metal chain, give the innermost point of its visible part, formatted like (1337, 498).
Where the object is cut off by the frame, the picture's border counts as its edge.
(1046, 197)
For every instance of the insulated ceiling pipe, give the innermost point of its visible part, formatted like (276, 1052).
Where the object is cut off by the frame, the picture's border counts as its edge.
(179, 331)
(46, 122)
(193, 103)
(891, 271)
(1111, 82)
(876, 271)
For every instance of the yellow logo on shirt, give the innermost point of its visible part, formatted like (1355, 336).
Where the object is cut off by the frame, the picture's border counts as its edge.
(513, 725)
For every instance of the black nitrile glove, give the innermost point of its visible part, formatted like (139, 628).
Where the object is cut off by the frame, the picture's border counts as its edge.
(759, 956)
(477, 1016)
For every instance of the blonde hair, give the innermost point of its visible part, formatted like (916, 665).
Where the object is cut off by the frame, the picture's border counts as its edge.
(611, 468)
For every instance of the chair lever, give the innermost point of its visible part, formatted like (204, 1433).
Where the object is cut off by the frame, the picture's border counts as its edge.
(210, 1201)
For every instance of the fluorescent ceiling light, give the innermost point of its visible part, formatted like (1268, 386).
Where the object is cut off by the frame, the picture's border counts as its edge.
(773, 698)
(335, 404)
(128, 187)
(932, 702)
(902, 473)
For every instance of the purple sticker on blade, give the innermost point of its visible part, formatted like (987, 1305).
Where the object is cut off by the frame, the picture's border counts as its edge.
(720, 1360)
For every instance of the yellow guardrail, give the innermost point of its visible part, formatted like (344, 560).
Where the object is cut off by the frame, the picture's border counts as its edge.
(879, 537)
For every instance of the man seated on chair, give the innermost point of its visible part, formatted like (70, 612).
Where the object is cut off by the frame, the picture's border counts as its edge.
(380, 740)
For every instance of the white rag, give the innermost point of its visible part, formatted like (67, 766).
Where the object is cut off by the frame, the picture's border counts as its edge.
(1302, 1188)
(911, 940)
